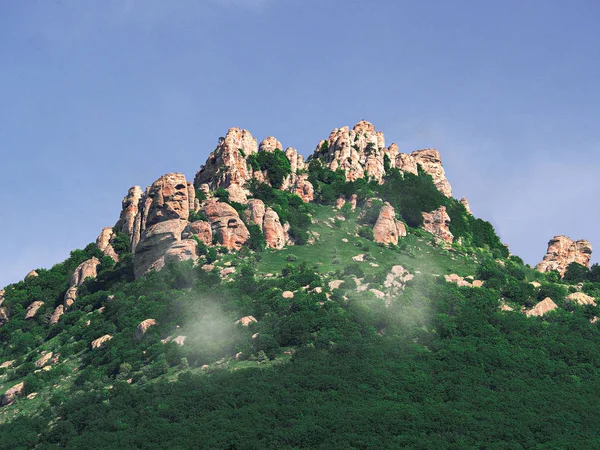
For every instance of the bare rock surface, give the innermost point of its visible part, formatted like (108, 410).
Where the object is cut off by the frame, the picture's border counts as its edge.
(32, 309)
(255, 213)
(542, 308)
(103, 242)
(11, 394)
(199, 228)
(273, 230)
(246, 320)
(43, 360)
(581, 298)
(387, 229)
(437, 222)
(31, 274)
(3, 316)
(97, 343)
(129, 211)
(143, 327)
(226, 224)
(59, 311)
(563, 251)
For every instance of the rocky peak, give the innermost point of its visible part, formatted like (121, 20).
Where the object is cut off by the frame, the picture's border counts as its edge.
(431, 162)
(269, 144)
(226, 224)
(226, 166)
(103, 242)
(562, 251)
(169, 199)
(129, 210)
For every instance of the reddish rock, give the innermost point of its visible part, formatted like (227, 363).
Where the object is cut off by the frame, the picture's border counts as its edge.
(31, 274)
(465, 203)
(41, 362)
(255, 213)
(226, 224)
(87, 269)
(387, 229)
(246, 320)
(170, 200)
(269, 144)
(183, 250)
(273, 230)
(429, 159)
(3, 316)
(287, 294)
(129, 211)
(199, 228)
(437, 222)
(563, 251)
(581, 298)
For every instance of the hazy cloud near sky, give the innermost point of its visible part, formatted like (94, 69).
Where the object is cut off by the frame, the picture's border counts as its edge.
(102, 95)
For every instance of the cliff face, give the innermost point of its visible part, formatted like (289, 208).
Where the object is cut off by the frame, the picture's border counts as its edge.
(563, 251)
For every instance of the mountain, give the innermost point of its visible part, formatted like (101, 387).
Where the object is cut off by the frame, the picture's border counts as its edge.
(342, 301)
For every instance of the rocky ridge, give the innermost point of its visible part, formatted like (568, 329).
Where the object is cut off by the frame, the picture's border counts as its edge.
(563, 251)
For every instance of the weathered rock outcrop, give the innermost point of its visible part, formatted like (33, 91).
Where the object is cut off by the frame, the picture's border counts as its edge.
(103, 242)
(143, 327)
(87, 269)
(581, 298)
(161, 221)
(2, 292)
(431, 162)
(273, 230)
(226, 224)
(303, 188)
(129, 211)
(387, 229)
(43, 360)
(465, 203)
(563, 251)
(97, 343)
(33, 309)
(269, 144)
(59, 311)
(246, 320)
(183, 250)
(255, 213)
(11, 394)
(542, 307)
(31, 274)
(357, 151)
(437, 222)
(226, 166)
(198, 228)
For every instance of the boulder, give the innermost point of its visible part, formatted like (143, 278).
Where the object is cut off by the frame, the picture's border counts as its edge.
(287, 294)
(43, 360)
(11, 394)
(437, 222)
(97, 343)
(563, 251)
(353, 201)
(387, 229)
(226, 224)
(87, 269)
(59, 311)
(340, 202)
(273, 230)
(199, 228)
(103, 242)
(70, 296)
(581, 298)
(255, 213)
(143, 327)
(179, 340)
(377, 293)
(397, 278)
(7, 364)
(31, 274)
(1, 296)
(335, 284)
(542, 308)
(32, 309)
(246, 320)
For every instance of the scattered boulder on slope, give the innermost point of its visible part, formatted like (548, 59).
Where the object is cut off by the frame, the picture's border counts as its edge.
(97, 343)
(387, 229)
(143, 327)
(581, 298)
(32, 309)
(11, 394)
(542, 308)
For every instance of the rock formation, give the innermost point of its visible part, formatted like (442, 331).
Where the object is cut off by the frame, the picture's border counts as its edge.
(103, 242)
(97, 343)
(562, 251)
(161, 221)
(542, 307)
(269, 144)
(437, 222)
(87, 269)
(387, 229)
(43, 360)
(32, 309)
(59, 311)
(226, 166)
(129, 210)
(581, 298)
(199, 228)
(273, 230)
(31, 274)
(465, 203)
(143, 327)
(2, 292)
(246, 320)
(11, 394)
(255, 213)
(226, 224)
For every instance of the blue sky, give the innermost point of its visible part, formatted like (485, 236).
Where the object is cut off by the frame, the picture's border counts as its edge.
(98, 96)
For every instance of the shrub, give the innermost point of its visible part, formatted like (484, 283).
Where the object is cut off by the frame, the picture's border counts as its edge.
(257, 240)
(366, 232)
(274, 163)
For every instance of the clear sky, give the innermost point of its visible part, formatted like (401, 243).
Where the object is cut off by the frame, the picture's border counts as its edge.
(100, 95)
